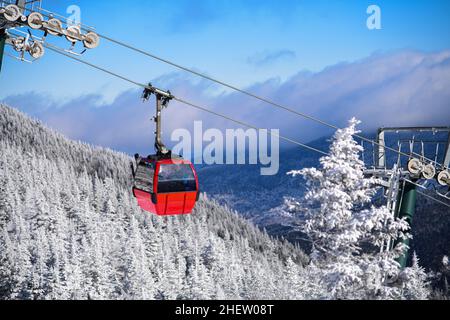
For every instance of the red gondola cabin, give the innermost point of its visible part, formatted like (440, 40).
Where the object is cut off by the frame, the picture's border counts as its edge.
(166, 186)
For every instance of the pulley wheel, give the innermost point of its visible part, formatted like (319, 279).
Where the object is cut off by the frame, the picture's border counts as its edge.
(54, 27)
(73, 34)
(443, 178)
(36, 50)
(91, 40)
(414, 166)
(18, 44)
(12, 13)
(429, 171)
(35, 20)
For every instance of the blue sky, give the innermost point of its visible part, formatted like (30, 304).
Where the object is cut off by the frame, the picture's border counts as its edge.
(222, 37)
(248, 43)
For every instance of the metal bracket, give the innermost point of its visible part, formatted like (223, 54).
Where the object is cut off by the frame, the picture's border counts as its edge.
(162, 101)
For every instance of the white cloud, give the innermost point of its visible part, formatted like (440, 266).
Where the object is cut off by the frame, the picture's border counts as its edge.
(403, 88)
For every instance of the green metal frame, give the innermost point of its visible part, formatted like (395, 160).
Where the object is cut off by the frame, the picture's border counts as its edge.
(406, 209)
(2, 46)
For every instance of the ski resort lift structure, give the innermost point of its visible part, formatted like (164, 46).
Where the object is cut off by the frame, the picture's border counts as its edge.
(402, 180)
(164, 184)
(15, 15)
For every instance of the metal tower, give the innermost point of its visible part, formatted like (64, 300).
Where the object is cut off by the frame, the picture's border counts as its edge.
(401, 180)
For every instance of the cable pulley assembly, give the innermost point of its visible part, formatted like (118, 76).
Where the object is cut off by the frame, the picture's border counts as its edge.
(443, 178)
(12, 13)
(35, 21)
(419, 169)
(14, 16)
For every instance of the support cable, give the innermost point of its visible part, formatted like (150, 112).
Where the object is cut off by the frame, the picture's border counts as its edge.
(57, 50)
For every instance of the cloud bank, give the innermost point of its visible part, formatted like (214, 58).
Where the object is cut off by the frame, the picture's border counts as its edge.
(266, 58)
(406, 88)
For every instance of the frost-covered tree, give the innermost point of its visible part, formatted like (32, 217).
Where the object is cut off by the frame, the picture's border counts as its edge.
(295, 289)
(340, 221)
(415, 281)
(446, 272)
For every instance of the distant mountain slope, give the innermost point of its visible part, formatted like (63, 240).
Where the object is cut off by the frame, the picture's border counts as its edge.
(70, 229)
(253, 195)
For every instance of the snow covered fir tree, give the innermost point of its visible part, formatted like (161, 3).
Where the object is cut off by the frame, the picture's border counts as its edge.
(70, 229)
(347, 231)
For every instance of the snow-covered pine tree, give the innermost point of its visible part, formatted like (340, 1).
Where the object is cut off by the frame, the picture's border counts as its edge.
(445, 273)
(341, 221)
(294, 289)
(415, 281)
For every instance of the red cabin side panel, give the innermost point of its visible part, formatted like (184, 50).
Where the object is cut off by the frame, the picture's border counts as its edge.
(144, 200)
(175, 203)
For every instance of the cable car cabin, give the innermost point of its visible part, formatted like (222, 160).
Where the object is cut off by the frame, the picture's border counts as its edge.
(166, 187)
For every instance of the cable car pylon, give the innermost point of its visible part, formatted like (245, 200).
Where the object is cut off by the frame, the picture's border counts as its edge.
(164, 184)
(162, 101)
(405, 179)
